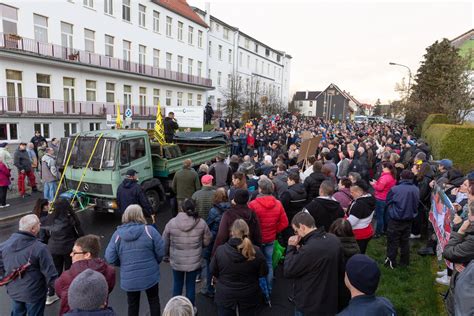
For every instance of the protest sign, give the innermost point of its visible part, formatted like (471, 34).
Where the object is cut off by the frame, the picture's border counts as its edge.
(308, 148)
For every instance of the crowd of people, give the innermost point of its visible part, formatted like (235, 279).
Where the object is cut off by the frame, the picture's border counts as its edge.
(233, 215)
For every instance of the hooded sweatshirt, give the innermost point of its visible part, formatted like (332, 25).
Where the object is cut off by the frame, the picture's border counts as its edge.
(185, 236)
(271, 215)
(130, 192)
(325, 210)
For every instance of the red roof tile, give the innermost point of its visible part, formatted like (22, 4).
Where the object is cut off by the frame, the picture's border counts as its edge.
(182, 8)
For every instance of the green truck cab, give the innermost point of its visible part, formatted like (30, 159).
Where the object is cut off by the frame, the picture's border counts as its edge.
(120, 150)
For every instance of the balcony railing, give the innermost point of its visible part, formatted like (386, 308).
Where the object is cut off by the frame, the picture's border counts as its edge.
(18, 43)
(29, 106)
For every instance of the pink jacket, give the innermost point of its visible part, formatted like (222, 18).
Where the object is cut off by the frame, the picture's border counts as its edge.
(4, 175)
(383, 185)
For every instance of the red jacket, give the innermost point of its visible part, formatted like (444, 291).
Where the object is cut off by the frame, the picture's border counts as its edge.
(64, 281)
(4, 175)
(271, 215)
(383, 185)
(250, 140)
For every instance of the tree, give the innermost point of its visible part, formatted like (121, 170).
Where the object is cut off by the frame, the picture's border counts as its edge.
(235, 96)
(377, 108)
(442, 85)
(254, 94)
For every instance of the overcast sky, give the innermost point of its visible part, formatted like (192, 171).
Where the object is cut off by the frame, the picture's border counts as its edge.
(349, 43)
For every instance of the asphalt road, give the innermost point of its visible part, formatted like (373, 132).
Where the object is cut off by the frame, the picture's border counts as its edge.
(104, 225)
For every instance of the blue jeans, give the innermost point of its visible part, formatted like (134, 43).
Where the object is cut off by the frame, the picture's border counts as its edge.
(49, 190)
(267, 250)
(209, 287)
(178, 283)
(32, 309)
(298, 312)
(380, 214)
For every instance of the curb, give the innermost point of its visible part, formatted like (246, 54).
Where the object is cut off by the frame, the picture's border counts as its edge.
(6, 218)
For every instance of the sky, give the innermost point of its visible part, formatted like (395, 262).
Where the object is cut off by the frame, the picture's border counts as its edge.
(349, 43)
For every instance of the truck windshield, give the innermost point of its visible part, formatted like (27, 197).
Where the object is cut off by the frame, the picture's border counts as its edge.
(103, 157)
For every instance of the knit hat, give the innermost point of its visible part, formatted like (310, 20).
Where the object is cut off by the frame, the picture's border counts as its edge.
(88, 291)
(207, 179)
(3, 145)
(363, 273)
(241, 197)
(446, 163)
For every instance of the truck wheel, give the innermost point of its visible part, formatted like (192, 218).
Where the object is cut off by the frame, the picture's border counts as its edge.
(154, 199)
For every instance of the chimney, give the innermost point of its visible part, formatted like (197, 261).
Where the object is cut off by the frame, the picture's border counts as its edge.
(307, 93)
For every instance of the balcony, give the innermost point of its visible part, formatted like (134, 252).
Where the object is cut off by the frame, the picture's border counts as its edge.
(16, 43)
(25, 107)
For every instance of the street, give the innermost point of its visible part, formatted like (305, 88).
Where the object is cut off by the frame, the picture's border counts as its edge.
(104, 225)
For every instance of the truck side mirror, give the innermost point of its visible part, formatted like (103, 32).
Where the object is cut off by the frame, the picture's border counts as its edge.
(124, 154)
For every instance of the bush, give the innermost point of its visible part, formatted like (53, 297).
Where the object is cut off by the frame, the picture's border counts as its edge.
(455, 142)
(433, 119)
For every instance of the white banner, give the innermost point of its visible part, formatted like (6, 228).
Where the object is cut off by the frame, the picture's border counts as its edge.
(187, 116)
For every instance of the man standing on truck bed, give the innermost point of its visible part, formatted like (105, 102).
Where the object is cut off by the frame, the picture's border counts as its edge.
(170, 125)
(130, 192)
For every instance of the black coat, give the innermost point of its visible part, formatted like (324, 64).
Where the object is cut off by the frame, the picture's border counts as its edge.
(293, 200)
(325, 211)
(130, 192)
(170, 126)
(317, 269)
(63, 232)
(237, 277)
(312, 184)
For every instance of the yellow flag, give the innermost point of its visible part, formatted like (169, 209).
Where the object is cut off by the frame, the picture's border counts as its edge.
(118, 120)
(159, 130)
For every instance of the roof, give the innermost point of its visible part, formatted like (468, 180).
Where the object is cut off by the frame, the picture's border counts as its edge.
(301, 95)
(458, 41)
(344, 94)
(182, 8)
(113, 133)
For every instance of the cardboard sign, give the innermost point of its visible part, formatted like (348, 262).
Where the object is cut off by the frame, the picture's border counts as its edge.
(308, 148)
(306, 135)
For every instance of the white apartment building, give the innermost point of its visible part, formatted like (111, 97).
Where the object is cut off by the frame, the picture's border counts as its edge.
(64, 64)
(262, 72)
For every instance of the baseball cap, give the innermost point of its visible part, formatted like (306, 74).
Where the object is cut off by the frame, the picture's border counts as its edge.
(131, 172)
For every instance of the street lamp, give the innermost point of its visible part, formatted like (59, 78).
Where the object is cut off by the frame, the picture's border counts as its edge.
(409, 73)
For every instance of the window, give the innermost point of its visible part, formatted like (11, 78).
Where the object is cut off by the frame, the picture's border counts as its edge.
(262, 68)
(150, 125)
(110, 92)
(180, 31)
(218, 27)
(190, 66)
(268, 69)
(200, 39)
(230, 56)
(180, 99)
(190, 35)
(156, 21)
(241, 56)
(247, 43)
(43, 128)
(226, 33)
(88, 3)
(229, 80)
(169, 22)
(209, 73)
(89, 40)
(126, 10)
(169, 56)
(142, 96)
(210, 49)
(220, 52)
(180, 64)
(169, 95)
(109, 46)
(134, 149)
(9, 131)
(156, 58)
(256, 48)
(126, 50)
(310, 103)
(248, 61)
(70, 129)
(141, 55)
(91, 90)
(94, 126)
(156, 96)
(127, 95)
(9, 18)
(199, 71)
(190, 99)
(310, 113)
(41, 28)
(199, 100)
(43, 86)
(219, 77)
(109, 7)
(219, 103)
(66, 35)
(135, 125)
(256, 65)
(141, 15)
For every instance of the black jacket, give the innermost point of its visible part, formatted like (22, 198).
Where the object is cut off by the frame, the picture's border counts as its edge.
(325, 211)
(293, 200)
(360, 165)
(21, 160)
(312, 184)
(130, 192)
(170, 126)
(317, 269)
(237, 277)
(63, 232)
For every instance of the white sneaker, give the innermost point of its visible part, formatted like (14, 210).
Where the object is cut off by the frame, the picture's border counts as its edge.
(444, 280)
(51, 299)
(415, 236)
(442, 273)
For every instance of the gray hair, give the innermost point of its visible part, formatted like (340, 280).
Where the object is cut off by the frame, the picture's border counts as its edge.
(179, 306)
(133, 213)
(204, 168)
(27, 222)
(265, 186)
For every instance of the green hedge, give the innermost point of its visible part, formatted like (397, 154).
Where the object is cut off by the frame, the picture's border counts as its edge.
(433, 119)
(455, 142)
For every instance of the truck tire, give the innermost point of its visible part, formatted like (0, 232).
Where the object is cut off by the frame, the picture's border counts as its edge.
(154, 199)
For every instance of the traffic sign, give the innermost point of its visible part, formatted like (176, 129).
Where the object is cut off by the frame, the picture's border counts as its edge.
(128, 113)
